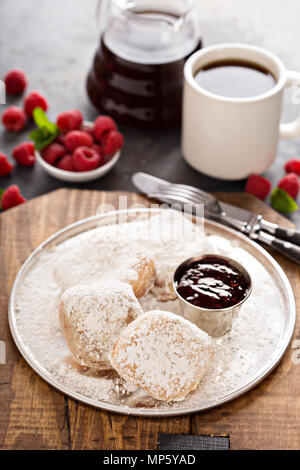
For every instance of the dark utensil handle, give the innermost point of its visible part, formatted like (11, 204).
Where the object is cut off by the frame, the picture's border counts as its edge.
(286, 248)
(289, 234)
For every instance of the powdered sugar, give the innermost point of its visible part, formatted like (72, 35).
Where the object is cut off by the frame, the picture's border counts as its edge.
(239, 355)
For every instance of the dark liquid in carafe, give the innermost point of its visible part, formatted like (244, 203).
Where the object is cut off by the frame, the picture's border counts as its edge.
(235, 79)
(137, 93)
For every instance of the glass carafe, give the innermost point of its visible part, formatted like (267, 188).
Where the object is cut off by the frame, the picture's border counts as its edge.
(137, 73)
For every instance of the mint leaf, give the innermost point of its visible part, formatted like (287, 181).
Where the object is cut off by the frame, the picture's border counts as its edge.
(46, 132)
(40, 117)
(42, 137)
(282, 201)
(42, 120)
(1, 194)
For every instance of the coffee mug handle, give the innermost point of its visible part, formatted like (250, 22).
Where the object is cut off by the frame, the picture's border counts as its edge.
(292, 129)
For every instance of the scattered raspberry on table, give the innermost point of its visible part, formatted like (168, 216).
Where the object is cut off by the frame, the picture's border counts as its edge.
(258, 186)
(290, 184)
(11, 197)
(33, 100)
(15, 82)
(14, 118)
(293, 166)
(5, 166)
(24, 154)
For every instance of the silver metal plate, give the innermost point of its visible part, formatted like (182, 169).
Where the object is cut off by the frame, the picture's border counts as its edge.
(288, 313)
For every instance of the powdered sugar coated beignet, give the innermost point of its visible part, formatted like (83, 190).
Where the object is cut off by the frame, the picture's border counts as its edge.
(163, 354)
(96, 260)
(146, 273)
(92, 316)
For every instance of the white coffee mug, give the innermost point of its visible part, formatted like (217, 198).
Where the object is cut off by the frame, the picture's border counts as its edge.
(230, 138)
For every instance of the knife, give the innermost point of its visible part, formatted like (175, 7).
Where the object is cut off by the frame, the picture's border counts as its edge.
(282, 239)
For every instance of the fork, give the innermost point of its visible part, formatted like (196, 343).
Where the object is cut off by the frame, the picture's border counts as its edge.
(182, 194)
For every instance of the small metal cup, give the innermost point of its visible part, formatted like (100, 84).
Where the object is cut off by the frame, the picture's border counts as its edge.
(216, 322)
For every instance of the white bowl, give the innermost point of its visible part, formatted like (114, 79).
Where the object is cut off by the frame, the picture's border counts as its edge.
(80, 176)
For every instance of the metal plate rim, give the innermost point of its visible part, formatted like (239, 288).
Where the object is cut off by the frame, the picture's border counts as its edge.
(144, 412)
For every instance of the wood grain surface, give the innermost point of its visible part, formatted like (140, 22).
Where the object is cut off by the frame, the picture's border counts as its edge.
(33, 415)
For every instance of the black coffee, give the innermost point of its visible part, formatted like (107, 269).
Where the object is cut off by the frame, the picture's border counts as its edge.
(235, 79)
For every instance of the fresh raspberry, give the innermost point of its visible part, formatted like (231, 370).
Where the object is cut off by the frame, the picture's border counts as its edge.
(100, 153)
(103, 124)
(61, 139)
(15, 82)
(293, 166)
(88, 130)
(66, 163)
(69, 120)
(86, 159)
(11, 198)
(53, 152)
(24, 154)
(290, 184)
(76, 139)
(258, 186)
(5, 166)
(14, 118)
(111, 142)
(33, 100)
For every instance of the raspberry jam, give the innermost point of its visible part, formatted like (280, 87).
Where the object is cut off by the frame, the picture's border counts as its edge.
(212, 283)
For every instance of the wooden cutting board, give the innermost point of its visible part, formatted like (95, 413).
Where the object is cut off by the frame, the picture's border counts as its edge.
(33, 415)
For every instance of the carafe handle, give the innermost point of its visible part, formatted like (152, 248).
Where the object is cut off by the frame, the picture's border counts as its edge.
(102, 11)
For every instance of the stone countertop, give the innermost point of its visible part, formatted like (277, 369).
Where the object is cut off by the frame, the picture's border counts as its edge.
(54, 42)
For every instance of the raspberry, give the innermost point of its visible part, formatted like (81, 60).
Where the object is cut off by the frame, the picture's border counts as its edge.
(11, 197)
(258, 186)
(76, 139)
(14, 118)
(33, 100)
(61, 139)
(69, 120)
(53, 152)
(111, 142)
(5, 166)
(99, 150)
(290, 184)
(293, 166)
(15, 82)
(24, 154)
(66, 163)
(103, 124)
(88, 130)
(86, 159)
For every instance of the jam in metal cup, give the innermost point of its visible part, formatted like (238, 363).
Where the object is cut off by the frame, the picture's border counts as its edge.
(216, 322)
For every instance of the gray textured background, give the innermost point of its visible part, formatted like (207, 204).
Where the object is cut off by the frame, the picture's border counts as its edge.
(54, 42)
